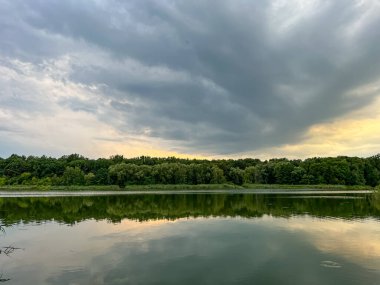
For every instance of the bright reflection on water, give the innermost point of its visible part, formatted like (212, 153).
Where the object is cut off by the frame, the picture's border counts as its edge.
(191, 239)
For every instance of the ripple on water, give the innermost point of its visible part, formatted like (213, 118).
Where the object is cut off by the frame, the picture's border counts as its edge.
(330, 264)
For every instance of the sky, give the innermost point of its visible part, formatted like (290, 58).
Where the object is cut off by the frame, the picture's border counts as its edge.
(206, 79)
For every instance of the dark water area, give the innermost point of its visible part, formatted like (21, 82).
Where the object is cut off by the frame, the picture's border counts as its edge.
(191, 239)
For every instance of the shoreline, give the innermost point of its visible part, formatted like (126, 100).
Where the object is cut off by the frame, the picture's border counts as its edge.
(66, 191)
(183, 187)
(8, 194)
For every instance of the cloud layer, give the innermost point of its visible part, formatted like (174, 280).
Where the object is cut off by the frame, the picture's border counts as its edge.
(196, 77)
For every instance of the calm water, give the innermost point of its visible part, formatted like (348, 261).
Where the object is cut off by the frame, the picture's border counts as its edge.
(191, 239)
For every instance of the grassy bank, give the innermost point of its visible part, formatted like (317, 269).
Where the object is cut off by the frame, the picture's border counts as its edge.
(309, 187)
(117, 188)
(178, 187)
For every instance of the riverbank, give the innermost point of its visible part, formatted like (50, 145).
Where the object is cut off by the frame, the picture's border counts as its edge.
(303, 192)
(182, 187)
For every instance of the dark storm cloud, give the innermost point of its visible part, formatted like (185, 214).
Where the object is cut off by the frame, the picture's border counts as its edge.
(214, 76)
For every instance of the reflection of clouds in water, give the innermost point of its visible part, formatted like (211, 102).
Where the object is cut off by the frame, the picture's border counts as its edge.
(213, 250)
(222, 251)
(358, 240)
(354, 240)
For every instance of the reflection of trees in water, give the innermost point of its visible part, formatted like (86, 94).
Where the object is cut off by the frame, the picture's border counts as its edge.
(3, 279)
(7, 251)
(174, 206)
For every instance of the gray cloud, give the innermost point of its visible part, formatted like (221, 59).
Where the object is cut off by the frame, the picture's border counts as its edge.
(212, 76)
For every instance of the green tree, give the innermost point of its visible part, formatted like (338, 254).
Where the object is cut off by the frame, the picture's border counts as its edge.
(89, 179)
(237, 175)
(250, 174)
(265, 173)
(101, 176)
(118, 174)
(3, 181)
(371, 174)
(217, 175)
(297, 174)
(25, 178)
(283, 172)
(73, 176)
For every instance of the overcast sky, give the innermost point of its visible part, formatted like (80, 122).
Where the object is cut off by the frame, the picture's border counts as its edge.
(190, 78)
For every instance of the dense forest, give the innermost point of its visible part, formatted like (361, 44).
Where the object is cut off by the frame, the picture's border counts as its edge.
(75, 169)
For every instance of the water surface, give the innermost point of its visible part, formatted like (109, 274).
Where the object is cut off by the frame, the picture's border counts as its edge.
(191, 239)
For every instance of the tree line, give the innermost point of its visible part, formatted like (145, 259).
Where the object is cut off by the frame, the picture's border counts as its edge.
(75, 169)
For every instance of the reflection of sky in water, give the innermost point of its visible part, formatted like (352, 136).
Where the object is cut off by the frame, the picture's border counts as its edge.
(299, 250)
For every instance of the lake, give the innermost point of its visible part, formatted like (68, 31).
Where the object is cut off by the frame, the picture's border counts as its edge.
(192, 238)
